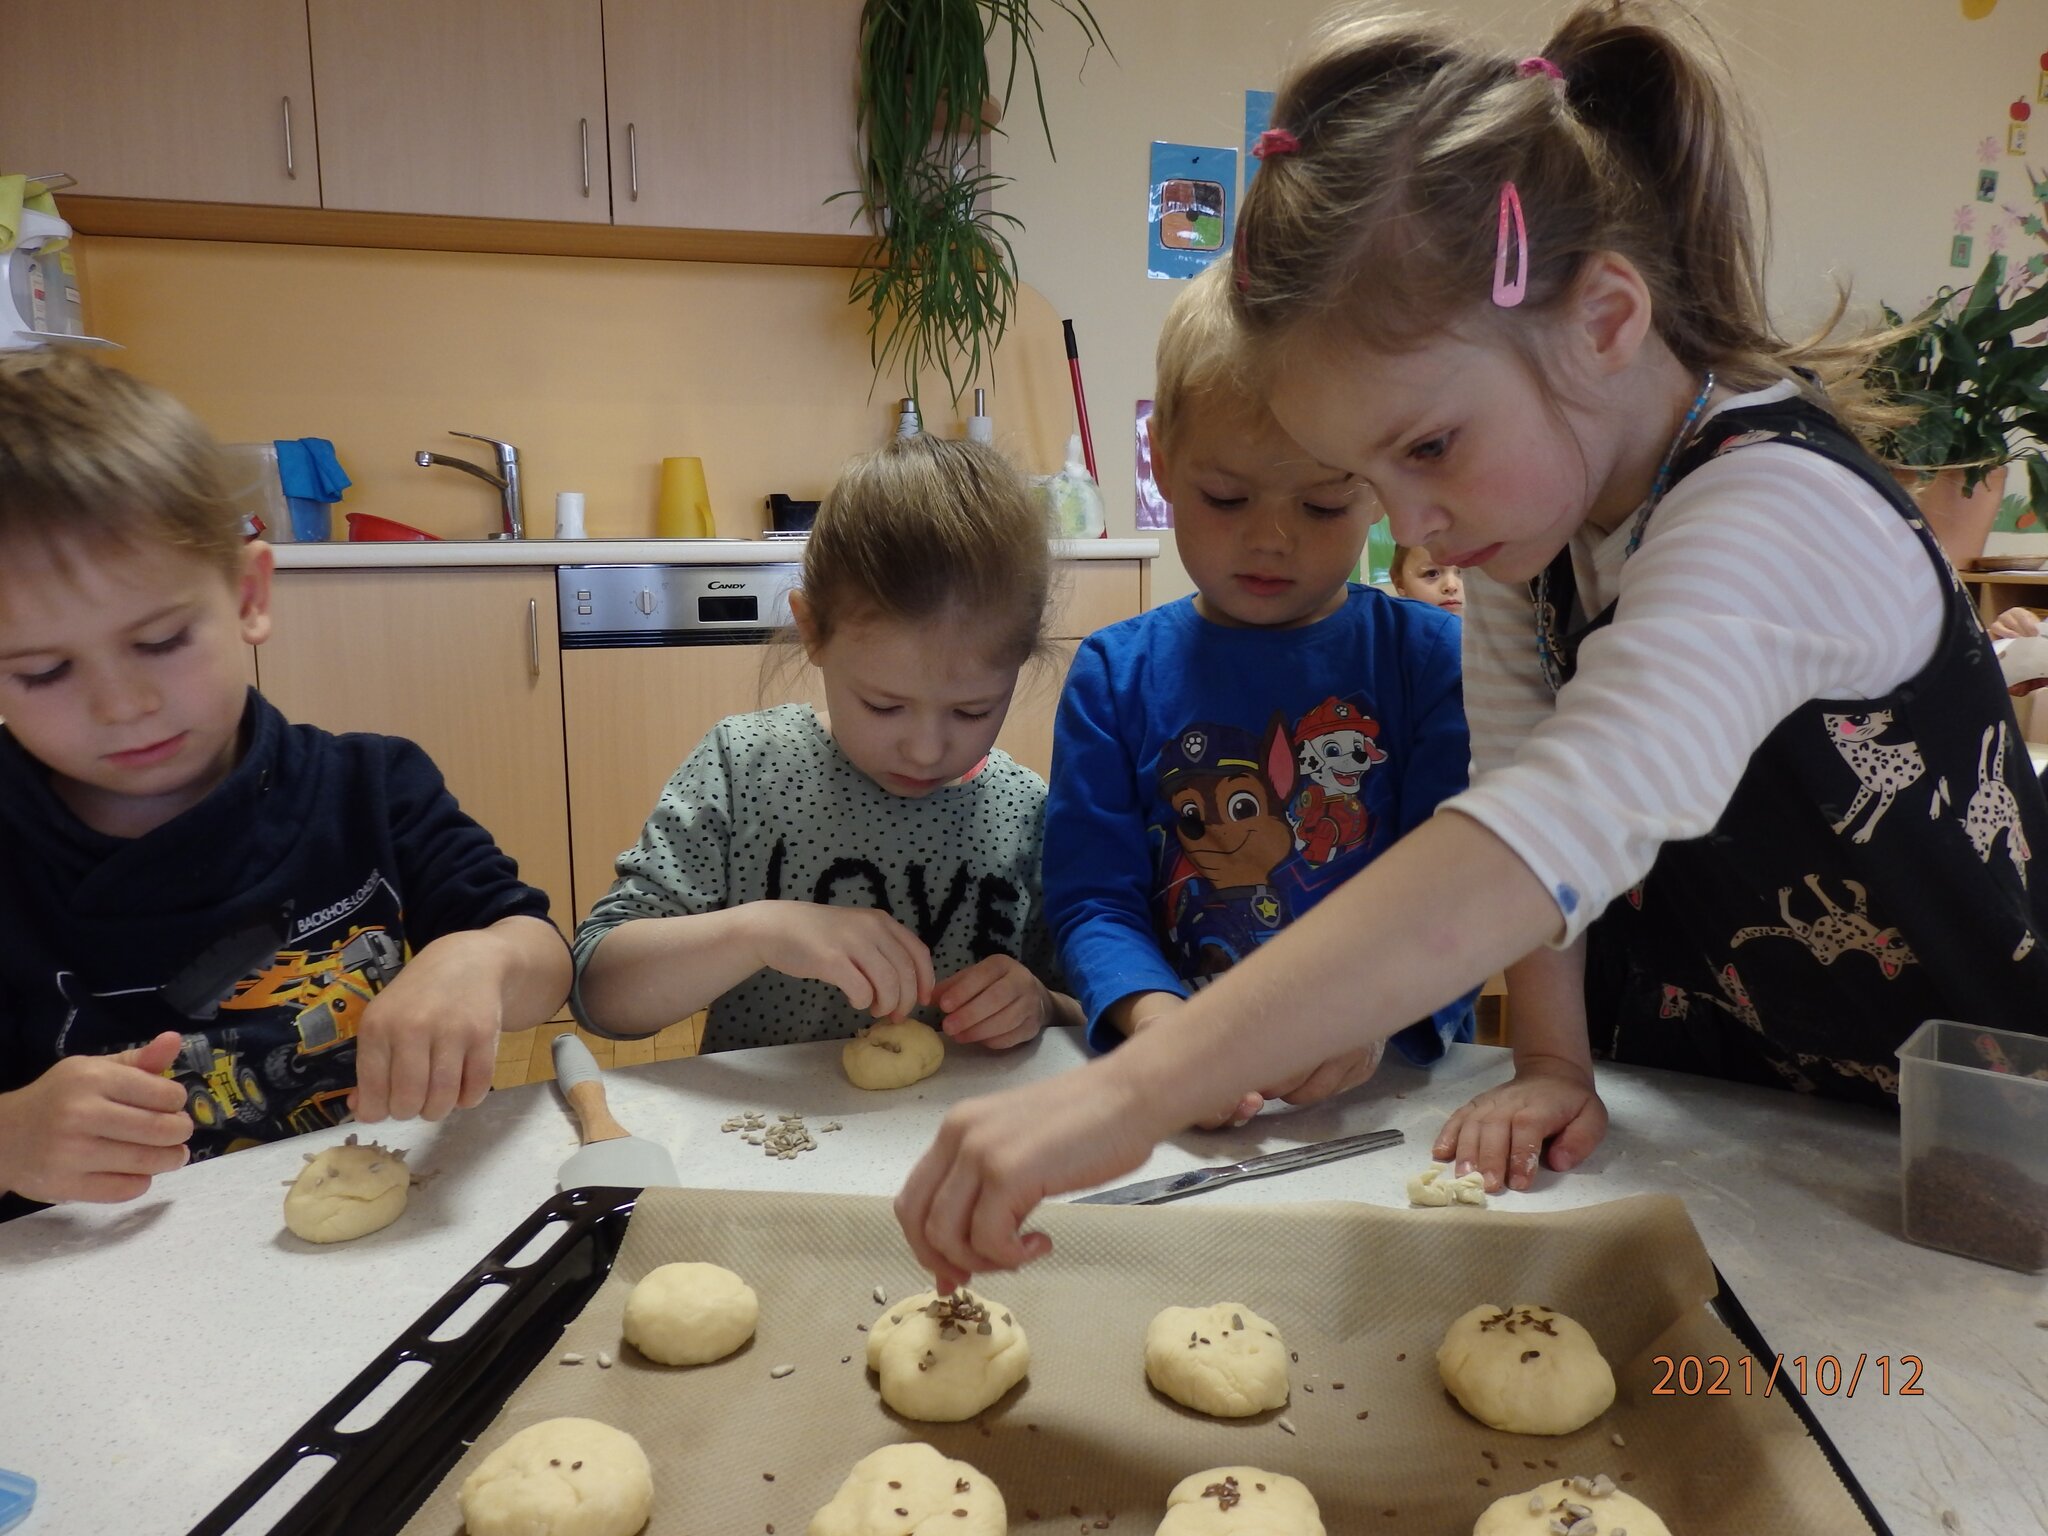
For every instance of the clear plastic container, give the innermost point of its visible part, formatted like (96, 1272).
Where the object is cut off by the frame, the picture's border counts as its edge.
(1973, 1142)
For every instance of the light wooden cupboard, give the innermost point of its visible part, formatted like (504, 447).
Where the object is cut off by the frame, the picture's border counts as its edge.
(202, 100)
(732, 117)
(483, 108)
(466, 663)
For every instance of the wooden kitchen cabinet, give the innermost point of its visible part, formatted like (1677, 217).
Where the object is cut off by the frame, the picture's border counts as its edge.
(463, 662)
(731, 117)
(483, 108)
(203, 101)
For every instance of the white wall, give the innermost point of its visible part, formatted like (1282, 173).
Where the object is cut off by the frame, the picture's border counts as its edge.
(1871, 112)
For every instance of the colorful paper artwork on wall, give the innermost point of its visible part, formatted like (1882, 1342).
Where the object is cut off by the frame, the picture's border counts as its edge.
(2016, 130)
(1189, 208)
(1977, 10)
(1987, 186)
(1154, 510)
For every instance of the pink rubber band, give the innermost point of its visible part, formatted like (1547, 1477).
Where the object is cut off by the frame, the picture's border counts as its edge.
(1508, 294)
(1535, 64)
(1275, 142)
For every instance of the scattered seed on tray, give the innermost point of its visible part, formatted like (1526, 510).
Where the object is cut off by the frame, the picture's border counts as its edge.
(1306, 1387)
(1294, 1355)
(1364, 1413)
(604, 1360)
(767, 1477)
(1618, 1440)
(844, 1358)
(1484, 1482)
(1402, 1356)
(1287, 1424)
(572, 1358)
(1336, 1386)
(881, 1297)
(780, 1371)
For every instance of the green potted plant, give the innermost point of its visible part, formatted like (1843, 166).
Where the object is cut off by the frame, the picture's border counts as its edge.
(940, 279)
(1976, 397)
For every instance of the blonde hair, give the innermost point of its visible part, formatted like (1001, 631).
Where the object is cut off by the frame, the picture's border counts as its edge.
(90, 453)
(1204, 355)
(1385, 221)
(929, 527)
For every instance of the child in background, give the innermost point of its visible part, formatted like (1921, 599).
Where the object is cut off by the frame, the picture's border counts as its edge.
(804, 874)
(184, 875)
(1223, 762)
(1418, 574)
(1718, 672)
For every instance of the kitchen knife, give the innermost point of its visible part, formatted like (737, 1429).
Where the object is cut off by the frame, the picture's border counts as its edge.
(611, 1155)
(1179, 1185)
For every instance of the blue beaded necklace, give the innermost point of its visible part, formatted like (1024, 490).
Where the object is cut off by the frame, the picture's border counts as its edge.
(1549, 649)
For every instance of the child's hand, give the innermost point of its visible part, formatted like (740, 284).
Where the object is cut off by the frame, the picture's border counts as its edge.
(95, 1127)
(997, 1157)
(1503, 1130)
(1338, 1075)
(429, 1041)
(882, 967)
(995, 1002)
(2014, 624)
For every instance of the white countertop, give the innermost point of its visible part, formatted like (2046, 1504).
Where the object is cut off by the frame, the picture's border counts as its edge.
(472, 552)
(155, 1353)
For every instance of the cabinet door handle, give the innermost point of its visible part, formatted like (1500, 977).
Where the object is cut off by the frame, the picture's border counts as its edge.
(633, 160)
(583, 127)
(533, 636)
(290, 167)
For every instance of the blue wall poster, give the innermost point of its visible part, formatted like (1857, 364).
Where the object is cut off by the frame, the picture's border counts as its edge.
(1189, 206)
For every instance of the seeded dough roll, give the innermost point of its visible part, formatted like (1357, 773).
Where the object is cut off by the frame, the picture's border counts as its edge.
(347, 1192)
(1240, 1501)
(904, 1488)
(561, 1477)
(1579, 1506)
(1224, 1360)
(1525, 1369)
(941, 1359)
(892, 1054)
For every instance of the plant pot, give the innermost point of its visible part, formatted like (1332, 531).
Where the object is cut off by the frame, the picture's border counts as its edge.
(1961, 523)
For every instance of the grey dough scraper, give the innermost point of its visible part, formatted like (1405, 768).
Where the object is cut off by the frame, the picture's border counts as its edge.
(610, 1154)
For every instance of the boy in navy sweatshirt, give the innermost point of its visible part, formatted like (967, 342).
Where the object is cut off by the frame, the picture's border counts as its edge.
(219, 928)
(1222, 762)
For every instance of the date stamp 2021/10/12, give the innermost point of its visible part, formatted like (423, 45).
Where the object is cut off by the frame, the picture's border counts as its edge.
(1826, 1375)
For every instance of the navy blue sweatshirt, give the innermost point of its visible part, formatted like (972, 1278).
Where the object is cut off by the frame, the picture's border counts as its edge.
(258, 924)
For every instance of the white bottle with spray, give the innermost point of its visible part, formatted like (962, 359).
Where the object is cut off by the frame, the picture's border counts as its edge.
(907, 424)
(1075, 498)
(980, 429)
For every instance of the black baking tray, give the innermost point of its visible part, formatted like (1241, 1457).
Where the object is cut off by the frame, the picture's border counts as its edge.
(385, 1471)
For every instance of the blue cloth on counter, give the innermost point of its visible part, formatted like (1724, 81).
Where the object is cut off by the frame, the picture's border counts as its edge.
(309, 470)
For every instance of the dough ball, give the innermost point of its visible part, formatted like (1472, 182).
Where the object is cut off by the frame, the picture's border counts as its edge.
(912, 1488)
(1525, 1369)
(1224, 1360)
(347, 1191)
(561, 1477)
(1434, 1186)
(1240, 1501)
(942, 1359)
(1570, 1502)
(690, 1314)
(893, 1054)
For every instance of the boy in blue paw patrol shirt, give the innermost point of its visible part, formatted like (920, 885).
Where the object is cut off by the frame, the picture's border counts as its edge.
(1222, 762)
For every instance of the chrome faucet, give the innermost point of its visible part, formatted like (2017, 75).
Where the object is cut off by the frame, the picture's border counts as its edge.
(505, 481)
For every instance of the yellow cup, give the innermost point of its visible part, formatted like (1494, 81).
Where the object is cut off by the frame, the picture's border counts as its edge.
(684, 511)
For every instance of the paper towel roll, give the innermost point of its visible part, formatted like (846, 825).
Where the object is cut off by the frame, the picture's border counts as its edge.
(568, 514)
(684, 511)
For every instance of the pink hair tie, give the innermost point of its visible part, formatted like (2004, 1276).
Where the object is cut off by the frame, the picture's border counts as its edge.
(1536, 64)
(1275, 142)
(1508, 294)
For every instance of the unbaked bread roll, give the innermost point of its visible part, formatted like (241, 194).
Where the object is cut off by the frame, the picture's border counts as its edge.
(1240, 1501)
(1580, 1506)
(347, 1191)
(941, 1359)
(1525, 1369)
(690, 1314)
(1224, 1360)
(905, 1488)
(892, 1054)
(561, 1477)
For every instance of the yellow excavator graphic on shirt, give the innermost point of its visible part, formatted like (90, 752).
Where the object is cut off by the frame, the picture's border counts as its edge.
(331, 987)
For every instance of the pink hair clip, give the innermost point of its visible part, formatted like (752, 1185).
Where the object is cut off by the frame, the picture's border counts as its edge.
(1508, 294)
(1536, 64)
(1275, 142)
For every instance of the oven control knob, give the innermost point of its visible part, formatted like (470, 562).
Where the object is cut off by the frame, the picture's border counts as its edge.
(644, 600)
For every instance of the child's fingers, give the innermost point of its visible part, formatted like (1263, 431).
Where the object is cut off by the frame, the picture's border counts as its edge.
(145, 1091)
(1492, 1161)
(912, 953)
(108, 1188)
(1525, 1145)
(411, 1072)
(1579, 1139)
(125, 1157)
(951, 995)
(1445, 1147)
(995, 1001)
(372, 1097)
(478, 1068)
(156, 1056)
(145, 1127)
(446, 1062)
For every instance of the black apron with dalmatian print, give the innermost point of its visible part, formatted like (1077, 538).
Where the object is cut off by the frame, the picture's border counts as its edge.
(1872, 870)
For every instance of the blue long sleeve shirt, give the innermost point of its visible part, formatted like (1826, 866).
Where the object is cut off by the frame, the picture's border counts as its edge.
(1210, 784)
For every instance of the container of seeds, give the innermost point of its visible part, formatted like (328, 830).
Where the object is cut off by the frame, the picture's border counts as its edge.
(1973, 1142)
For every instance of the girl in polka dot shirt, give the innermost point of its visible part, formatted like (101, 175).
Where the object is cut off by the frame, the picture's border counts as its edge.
(805, 872)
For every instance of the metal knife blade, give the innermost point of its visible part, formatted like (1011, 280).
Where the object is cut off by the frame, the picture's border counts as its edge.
(1178, 1186)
